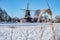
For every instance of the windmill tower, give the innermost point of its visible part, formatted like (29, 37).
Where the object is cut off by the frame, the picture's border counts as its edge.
(27, 12)
(27, 17)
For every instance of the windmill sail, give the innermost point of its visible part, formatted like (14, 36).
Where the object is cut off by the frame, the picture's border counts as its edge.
(28, 5)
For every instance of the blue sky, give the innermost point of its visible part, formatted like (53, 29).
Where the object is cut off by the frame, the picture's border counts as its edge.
(13, 7)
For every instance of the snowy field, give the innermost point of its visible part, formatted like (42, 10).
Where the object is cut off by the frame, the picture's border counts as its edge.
(29, 31)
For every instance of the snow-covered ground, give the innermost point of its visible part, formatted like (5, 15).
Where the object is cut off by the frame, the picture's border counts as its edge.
(29, 31)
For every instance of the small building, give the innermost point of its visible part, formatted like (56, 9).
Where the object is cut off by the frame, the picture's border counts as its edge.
(57, 19)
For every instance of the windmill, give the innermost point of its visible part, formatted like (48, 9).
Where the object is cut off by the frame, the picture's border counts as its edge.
(27, 13)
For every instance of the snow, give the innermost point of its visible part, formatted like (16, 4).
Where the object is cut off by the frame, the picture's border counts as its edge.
(29, 31)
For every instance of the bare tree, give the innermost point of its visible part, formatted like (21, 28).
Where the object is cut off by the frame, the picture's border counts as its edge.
(4, 16)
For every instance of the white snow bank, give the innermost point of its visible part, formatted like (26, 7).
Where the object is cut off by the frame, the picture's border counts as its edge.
(29, 31)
